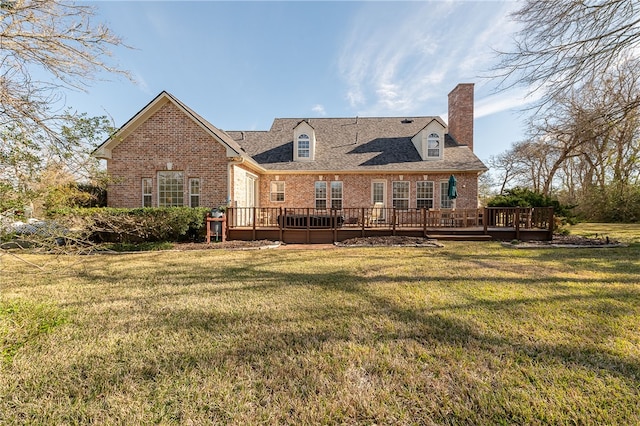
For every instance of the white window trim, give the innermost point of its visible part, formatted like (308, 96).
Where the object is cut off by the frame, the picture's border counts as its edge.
(158, 187)
(444, 196)
(433, 189)
(331, 198)
(304, 129)
(199, 191)
(272, 192)
(306, 150)
(150, 193)
(440, 142)
(394, 199)
(384, 191)
(315, 194)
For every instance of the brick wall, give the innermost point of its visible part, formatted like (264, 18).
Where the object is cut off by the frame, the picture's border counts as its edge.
(168, 136)
(461, 114)
(300, 189)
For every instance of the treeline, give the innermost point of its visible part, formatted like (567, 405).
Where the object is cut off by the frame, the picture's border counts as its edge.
(584, 150)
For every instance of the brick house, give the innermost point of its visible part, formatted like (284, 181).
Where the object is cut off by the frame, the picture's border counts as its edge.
(168, 155)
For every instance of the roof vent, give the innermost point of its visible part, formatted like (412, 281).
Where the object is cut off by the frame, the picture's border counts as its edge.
(407, 121)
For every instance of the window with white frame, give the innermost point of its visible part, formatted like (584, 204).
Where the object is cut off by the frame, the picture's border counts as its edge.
(194, 192)
(433, 145)
(400, 195)
(336, 195)
(170, 189)
(424, 195)
(276, 192)
(147, 191)
(304, 150)
(445, 201)
(378, 192)
(321, 195)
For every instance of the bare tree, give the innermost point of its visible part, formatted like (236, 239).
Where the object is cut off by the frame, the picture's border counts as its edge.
(507, 168)
(576, 150)
(564, 45)
(52, 38)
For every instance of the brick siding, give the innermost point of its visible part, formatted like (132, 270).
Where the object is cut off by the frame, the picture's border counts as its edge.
(168, 136)
(461, 114)
(171, 136)
(300, 189)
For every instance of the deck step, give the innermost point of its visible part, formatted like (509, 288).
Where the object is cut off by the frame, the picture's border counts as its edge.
(460, 237)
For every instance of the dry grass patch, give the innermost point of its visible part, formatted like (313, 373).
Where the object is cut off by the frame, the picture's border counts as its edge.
(469, 333)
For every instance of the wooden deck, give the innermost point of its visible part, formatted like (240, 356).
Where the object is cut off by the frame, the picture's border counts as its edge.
(309, 226)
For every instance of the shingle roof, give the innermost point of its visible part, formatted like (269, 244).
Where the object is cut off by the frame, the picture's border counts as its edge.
(354, 144)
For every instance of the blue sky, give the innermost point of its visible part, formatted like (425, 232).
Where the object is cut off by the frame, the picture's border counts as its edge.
(242, 64)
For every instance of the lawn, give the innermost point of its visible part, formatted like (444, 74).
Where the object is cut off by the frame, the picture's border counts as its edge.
(472, 333)
(624, 232)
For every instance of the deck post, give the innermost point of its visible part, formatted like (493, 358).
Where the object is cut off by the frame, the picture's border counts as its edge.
(517, 222)
(424, 223)
(308, 225)
(393, 222)
(363, 219)
(334, 224)
(281, 215)
(485, 220)
(254, 223)
(551, 223)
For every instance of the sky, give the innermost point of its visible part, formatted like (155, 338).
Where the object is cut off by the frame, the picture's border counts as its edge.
(242, 64)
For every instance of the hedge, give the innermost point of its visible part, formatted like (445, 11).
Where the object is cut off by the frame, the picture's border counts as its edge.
(120, 225)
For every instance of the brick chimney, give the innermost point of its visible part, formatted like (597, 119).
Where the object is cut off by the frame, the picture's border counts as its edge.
(461, 114)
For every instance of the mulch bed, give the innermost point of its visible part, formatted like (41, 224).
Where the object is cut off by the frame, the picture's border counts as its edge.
(566, 241)
(402, 241)
(228, 245)
(389, 241)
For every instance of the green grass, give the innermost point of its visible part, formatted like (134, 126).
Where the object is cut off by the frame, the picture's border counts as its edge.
(146, 246)
(624, 232)
(472, 333)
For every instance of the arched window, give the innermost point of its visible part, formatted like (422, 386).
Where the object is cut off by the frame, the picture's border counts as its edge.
(303, 146)
(433, 145)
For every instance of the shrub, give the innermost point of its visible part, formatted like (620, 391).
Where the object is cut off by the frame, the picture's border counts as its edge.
(524, 197)
(118, 225)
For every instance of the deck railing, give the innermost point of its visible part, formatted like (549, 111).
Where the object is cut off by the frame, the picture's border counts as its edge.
(373, 217)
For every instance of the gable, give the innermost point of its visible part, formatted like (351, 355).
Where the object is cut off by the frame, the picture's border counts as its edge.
(434, 131)
(164, 100)
(304, 142)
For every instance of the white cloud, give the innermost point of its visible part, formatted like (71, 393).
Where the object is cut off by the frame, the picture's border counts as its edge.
(400, 60)
(319, 109)
(141, 83)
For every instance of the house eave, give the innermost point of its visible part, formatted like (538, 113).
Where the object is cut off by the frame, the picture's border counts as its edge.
(371, 172)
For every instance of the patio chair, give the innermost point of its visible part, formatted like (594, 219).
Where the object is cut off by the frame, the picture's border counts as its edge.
(377, 214)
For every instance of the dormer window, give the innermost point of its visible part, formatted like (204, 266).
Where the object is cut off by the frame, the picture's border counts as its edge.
(429, 142)
(304, 150)
(433, 145)
(304, 142)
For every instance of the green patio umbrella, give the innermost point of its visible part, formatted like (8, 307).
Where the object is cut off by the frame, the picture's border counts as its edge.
(453, 190)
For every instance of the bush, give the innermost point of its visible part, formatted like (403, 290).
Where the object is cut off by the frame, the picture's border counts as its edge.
(524, 197)
(117, 225)
(613, 204)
